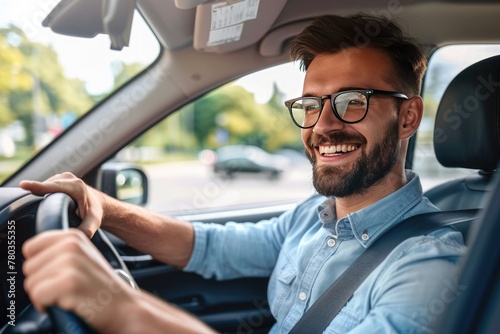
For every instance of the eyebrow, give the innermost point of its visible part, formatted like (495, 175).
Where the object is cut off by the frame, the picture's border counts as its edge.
(341, 89)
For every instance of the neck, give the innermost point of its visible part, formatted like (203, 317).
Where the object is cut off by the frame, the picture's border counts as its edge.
(392, 182)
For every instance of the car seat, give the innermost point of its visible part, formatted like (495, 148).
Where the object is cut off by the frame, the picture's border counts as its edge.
(467, 135)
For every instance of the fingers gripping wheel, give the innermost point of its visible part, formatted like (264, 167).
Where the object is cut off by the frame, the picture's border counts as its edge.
(57, 211)
(53, 214)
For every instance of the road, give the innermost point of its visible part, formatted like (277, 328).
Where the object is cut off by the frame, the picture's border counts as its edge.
(187, 186)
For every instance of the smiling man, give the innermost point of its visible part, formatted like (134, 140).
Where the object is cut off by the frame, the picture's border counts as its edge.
(353, 151)
(360, 106)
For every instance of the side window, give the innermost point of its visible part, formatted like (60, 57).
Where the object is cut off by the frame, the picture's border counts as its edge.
(444, 65)
(235, 147)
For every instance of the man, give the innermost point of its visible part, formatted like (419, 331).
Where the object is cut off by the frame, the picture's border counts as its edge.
(359, 108)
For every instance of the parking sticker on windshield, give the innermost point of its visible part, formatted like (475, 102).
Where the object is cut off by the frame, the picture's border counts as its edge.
(227, 20)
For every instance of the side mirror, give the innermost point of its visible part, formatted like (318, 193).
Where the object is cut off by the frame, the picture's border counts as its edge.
(123, 181)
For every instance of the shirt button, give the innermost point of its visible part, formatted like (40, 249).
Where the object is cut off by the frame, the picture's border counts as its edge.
(302, 296)
(331, 242)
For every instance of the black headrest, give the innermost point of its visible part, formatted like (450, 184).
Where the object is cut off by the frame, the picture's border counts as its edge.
(467, 130)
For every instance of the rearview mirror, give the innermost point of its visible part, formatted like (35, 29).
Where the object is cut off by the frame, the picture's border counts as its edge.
(87, 18)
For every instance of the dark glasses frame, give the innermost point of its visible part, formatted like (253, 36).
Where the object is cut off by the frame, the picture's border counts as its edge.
(366, 92)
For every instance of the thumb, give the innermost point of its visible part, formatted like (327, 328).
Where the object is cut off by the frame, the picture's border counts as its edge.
(35, 187)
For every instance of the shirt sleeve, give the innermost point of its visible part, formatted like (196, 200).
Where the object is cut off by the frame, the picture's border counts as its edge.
(238, 249)
(416, 288)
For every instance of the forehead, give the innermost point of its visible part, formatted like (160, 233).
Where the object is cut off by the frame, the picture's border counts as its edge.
(350, 68)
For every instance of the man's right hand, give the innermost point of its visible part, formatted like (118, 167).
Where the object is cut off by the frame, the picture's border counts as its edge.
(90, 201)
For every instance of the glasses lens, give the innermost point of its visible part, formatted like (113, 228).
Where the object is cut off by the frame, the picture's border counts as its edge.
(305, 111)
(351, 106)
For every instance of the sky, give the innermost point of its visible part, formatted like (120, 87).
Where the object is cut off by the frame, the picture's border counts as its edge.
(288, 78)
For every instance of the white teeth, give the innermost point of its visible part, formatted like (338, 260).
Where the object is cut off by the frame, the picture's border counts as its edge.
(337, 148)
(329, 149)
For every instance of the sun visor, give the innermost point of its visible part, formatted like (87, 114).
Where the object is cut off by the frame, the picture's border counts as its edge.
(225, 26)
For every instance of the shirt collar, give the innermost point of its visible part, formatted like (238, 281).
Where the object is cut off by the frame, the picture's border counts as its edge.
(367, 224)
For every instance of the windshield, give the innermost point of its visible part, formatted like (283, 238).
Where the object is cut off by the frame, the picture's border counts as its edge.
(48, 81)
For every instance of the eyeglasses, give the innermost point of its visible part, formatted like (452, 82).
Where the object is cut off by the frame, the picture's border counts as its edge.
(350, 106)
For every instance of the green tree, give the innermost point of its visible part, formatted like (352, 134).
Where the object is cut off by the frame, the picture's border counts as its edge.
(228, 115)
(35, 86)
(232, 110)
(280, 130)
(12, 78)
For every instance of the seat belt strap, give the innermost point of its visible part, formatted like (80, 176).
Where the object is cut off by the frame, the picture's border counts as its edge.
(329, 304)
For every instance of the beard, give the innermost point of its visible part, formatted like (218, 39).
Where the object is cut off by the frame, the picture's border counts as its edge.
(369, 169)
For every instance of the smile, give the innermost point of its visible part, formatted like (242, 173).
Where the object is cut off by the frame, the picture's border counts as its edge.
(337, 149)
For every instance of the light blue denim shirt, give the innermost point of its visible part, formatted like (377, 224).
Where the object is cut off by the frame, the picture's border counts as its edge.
(306, 249)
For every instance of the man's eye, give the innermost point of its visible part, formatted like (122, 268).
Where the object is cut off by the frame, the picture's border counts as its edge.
(310, 108)
(357, 102)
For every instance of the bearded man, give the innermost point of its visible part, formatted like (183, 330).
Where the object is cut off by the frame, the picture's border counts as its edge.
(359, 107)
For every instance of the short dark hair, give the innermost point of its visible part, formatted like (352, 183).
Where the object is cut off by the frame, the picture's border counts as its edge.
(330, 34)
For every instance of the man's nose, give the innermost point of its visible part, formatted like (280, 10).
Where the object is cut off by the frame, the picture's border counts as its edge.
(328, 121)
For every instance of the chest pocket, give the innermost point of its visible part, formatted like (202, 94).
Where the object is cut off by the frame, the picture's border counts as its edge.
(280, 291)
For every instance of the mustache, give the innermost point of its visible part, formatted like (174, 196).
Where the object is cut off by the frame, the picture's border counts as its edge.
(335, 137)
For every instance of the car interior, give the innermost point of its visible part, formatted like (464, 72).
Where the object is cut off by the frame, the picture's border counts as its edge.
(192, 62)
(476, 145)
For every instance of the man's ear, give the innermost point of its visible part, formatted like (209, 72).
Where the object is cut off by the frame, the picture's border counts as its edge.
(410, 115)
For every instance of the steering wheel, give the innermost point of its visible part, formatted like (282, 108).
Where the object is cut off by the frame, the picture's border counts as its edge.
(57, 211)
